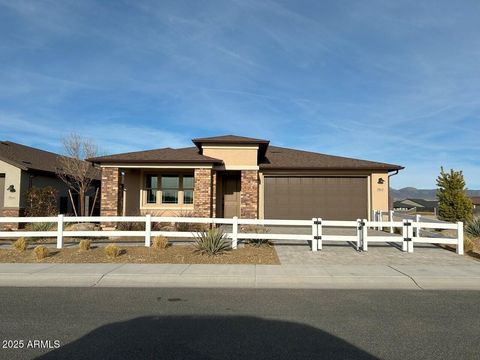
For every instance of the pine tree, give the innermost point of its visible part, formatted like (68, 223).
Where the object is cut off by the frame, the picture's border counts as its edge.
(453, 203)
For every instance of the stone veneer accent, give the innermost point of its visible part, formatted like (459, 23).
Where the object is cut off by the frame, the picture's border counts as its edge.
(202, 197)
(110, 204)
(249, 194)
(12, 212)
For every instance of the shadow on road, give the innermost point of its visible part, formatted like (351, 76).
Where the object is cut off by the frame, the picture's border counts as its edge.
(207, 337)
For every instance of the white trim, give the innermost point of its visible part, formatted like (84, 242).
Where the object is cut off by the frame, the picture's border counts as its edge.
(173, 166)
(236, 147)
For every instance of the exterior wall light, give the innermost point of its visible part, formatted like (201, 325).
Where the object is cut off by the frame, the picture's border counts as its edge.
(11, 188)
(381, 181)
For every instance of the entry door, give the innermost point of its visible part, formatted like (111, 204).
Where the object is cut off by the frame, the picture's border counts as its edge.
(231, 196)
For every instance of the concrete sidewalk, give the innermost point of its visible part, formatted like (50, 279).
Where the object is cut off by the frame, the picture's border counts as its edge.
(461, 277)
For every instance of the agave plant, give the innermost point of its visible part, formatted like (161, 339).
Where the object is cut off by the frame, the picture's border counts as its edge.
(211, 242)
(472, 228)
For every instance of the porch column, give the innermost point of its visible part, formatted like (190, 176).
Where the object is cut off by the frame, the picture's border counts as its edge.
(110, 201)
(249, 194)
(202, 198)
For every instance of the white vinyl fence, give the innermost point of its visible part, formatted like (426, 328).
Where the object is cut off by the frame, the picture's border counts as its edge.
(410, 230)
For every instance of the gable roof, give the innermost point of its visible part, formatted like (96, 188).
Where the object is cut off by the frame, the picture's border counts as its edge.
(286, 158)
(165, 155)
(475, 200)
(29, 158)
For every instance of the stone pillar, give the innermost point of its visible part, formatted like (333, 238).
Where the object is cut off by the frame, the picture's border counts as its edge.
(110, 201)
(202, 197)
(249, 194)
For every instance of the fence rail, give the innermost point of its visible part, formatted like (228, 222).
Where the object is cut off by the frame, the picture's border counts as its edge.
(410, 230)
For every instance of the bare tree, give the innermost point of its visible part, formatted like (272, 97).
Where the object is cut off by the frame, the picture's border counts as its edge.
(74, 171)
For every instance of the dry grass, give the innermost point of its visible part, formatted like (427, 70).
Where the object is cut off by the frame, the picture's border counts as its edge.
(40, 252)
(160, 242)
(21, 244)
(84, 245)
(112, 251)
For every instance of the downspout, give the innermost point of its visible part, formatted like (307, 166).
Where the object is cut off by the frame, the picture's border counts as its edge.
(389, 176)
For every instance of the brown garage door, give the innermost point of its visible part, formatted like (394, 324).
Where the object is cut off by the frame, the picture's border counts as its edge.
(331, 198)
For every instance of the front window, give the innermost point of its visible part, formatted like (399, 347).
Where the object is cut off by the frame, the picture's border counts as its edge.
(152, 187)
(188, 186)
(170, 188)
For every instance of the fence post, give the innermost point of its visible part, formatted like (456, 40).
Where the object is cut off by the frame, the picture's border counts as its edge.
(460, 238)
(380, 218)
(365, 235)
(60, 231)
(148, 230)
(235, 232)
(417, 228)
(359, 234)
(314, 235)
(410, 237)
(390, 218)
(319, 234)
(405, 235)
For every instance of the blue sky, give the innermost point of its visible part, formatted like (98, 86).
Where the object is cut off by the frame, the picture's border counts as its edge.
(392, 81)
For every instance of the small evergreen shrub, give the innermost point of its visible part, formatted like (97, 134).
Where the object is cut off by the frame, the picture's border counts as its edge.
(211, 242)
(84, 244)
(21, 244)
(160, 242)
(112, 251)
(41, 252)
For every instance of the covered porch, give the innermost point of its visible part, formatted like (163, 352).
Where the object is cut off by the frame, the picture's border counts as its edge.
(200, 191)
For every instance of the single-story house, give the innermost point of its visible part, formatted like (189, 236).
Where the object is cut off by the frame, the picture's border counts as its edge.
(228, 176)
(23, 167)
(418, 205)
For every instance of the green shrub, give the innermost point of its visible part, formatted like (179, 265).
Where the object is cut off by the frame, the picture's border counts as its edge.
(211, 242)
(112, 251)
(472, 228)
(85, 244)
(21, 244)
(256, 229)
(41, 252)
(160, 242)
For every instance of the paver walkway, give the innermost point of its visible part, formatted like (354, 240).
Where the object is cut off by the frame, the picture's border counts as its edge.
(377, 254)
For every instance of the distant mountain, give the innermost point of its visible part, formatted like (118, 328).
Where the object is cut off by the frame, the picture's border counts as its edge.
(427, 194)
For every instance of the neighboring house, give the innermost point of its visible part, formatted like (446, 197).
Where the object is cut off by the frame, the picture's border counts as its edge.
(476, 204)
(418, 205)
(23, 167)
(228, 176)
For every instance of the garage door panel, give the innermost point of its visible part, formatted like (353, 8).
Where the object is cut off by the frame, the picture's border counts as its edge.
(333, 198)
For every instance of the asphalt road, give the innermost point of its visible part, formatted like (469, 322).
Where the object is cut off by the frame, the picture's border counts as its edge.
(105, 323)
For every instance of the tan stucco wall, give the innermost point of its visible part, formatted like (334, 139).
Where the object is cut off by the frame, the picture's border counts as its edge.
(235, 157)
(13, 176)
(379, 192)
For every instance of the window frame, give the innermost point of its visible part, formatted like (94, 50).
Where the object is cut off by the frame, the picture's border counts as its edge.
(159, 190)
